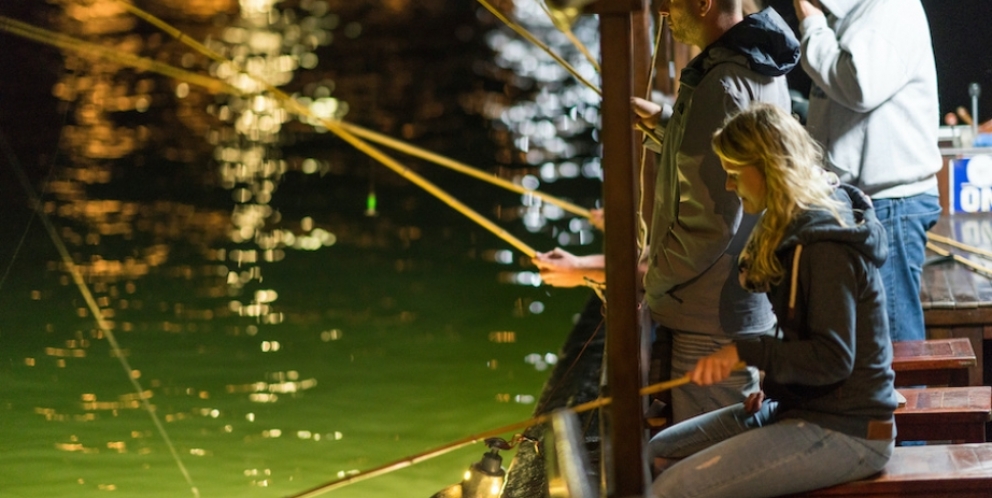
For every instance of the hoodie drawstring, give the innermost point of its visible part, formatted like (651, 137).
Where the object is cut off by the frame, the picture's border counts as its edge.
(795, 281)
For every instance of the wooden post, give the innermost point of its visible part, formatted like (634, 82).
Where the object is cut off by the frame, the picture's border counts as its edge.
(627, 465)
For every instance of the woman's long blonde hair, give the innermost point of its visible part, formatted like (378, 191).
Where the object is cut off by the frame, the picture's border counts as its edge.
(768, 138)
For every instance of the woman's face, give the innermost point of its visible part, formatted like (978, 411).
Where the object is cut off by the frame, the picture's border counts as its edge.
(749, 184)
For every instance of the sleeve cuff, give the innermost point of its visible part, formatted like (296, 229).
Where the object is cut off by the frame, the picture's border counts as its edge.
(813, 22)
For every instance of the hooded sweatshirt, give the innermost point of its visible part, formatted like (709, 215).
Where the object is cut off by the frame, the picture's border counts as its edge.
(698, 227)
(873, 104)
(831, 363)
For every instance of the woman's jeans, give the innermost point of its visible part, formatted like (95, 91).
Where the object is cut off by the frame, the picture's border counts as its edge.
(906, 222)
(731, 453)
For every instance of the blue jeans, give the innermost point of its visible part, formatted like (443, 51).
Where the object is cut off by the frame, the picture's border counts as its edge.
(906, 222)
(731, 453)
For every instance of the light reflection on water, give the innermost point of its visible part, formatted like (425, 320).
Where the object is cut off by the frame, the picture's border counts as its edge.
(280, 351)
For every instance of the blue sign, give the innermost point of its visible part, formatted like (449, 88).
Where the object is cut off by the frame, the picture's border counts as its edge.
(970, 184)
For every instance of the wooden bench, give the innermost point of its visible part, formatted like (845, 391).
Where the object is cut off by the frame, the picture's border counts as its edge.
(957, 414)
(938, 471)
(933, 362)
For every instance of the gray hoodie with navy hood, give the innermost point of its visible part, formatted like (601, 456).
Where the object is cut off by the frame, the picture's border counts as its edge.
(831, 361)
(698, 228)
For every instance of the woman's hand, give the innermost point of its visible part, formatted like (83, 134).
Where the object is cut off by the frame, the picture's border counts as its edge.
(753, 402)
(715, 367)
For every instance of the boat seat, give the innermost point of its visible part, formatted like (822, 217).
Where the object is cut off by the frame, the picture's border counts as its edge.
(954, 414)
(936, 471)
(933, 362)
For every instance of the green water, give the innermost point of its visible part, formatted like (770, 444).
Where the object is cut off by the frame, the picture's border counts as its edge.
(399, 338)
(410, 367)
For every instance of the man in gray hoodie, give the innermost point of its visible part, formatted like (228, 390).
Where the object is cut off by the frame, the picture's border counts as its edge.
(698, 228)
(874, 108)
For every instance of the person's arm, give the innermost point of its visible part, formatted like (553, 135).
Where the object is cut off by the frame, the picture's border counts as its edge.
(560, 268)
(830, 276)
(864, 68)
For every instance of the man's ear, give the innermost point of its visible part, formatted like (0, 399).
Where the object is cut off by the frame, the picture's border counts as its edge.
(705, 7)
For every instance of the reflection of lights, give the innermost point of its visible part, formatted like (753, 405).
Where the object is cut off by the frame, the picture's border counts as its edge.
(328, 108)
(503, 337)
(266, 296)
(553, 212)
(250, 8)
(530, 182)
(520, 278)
(330, 335)
(501, 256)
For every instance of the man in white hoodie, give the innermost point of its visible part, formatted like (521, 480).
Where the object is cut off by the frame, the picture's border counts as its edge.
(874, 108)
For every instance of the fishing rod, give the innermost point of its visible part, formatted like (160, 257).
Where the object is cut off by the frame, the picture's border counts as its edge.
(294, 106)
(958, 258)
(368, 134)
(564, 64)
(398, 145)
(69, 43)
(94, 308)
(474, 438)
(563, 26)
(960, 245)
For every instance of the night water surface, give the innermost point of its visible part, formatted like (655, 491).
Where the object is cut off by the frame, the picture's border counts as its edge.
(290, 311)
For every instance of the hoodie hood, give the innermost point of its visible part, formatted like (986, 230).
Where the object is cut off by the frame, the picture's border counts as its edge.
(861, 229)
(765, 40)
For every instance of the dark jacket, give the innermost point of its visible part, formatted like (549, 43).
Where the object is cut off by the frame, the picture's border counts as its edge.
(698, 227)
(831, 363)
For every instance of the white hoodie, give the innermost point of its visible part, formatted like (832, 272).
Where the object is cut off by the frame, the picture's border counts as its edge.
(873, 103)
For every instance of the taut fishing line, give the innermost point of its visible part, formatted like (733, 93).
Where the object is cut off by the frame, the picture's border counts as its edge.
(36, 207)
(91, 303)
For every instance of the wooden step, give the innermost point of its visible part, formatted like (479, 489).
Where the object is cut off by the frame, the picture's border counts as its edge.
(957, 414)
(937, 471)
(933, 362)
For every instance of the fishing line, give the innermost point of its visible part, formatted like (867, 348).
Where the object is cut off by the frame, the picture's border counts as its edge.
(37, 208)
(564, 64)
(216, 86)
(563, 26)
(441, 450)
(91, 303)
(575, 362)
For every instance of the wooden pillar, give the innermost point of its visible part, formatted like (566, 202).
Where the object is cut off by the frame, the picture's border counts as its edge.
(627, 466)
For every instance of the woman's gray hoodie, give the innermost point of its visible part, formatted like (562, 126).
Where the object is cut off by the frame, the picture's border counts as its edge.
(831, 363)
(698, 227)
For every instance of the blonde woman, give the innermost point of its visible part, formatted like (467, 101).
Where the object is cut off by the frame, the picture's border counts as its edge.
(824, 416)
